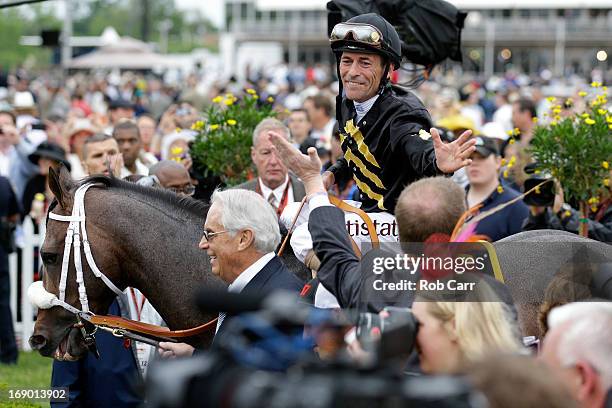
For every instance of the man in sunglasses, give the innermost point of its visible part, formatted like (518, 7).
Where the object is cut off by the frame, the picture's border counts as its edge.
(384, 130)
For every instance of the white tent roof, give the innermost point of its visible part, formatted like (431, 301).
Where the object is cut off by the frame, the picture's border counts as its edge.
(123, 53)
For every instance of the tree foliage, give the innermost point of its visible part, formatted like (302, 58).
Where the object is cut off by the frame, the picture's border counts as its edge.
(90, 18)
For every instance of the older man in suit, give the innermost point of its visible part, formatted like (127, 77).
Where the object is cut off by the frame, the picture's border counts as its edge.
(273, 182)
(241, 233)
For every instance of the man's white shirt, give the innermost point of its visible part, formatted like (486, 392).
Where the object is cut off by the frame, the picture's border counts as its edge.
(278, 192)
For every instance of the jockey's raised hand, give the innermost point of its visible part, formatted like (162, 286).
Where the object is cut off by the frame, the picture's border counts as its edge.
(450, 157)
(306, 167)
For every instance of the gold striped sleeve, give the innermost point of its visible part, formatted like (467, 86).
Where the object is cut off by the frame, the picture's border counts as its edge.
(371, 194)
(349, 156)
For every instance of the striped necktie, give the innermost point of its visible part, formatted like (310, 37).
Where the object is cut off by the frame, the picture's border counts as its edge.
(272, 200)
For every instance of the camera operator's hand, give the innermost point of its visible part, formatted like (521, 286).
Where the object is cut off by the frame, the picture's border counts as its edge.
(557, 204)
(173, 350)
(559, 197)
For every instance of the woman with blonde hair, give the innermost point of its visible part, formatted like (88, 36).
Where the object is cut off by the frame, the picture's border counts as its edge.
(458, 327)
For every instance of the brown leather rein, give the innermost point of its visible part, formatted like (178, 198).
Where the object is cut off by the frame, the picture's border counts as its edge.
(152, 334)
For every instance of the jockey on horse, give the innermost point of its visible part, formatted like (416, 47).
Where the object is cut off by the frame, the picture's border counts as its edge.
(384, 130)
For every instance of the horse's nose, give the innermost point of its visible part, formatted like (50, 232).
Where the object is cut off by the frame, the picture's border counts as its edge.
(38, 341)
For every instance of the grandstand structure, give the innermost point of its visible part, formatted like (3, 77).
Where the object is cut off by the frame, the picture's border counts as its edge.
(563, 36)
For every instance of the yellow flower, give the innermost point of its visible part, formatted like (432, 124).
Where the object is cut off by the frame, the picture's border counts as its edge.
(270, 99)
(229, 102)
(517, 131)
(217, 99)
(537, 190)
(605, 165)
(229, 95)
(589, 121)
(557, 111)
(536, 172)
(214, 127)
(610, 126)
(505, 173)
(605, 89)
(582, 94)
(503, 162)
(255, 97)
(557, 118)
(553, 123)
(569, 102)
(534, 120)
(551, 99)
(510, 133)
(595, 103)
(512, 159)
(500, 189)
(595, 84)
(231, 122)
(608, 119)
(178, 129)
(567, 213)
(584, 115)
(602, 111)
(251, 91)
(593, 200)
(606, 182)
(594, 209)
(199, 125)
(511, 141)
(175, 151)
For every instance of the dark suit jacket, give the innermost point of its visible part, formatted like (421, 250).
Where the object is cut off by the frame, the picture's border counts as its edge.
(351, 280)
(274, 276)
(298, 187)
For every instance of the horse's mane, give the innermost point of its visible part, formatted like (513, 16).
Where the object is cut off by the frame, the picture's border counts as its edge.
(187, 204)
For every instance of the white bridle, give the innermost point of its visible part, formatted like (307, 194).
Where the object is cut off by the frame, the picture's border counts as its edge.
(76, 230)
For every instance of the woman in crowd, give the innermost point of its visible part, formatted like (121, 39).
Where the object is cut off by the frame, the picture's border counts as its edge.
(462, 329)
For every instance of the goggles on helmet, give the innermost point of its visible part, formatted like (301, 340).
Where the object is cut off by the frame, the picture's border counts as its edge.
(362, 33)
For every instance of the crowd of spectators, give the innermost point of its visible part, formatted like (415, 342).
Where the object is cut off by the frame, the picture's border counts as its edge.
(137, 127)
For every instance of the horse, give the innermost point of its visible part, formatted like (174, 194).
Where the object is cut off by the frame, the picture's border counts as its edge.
(148, 239)
(139, 237)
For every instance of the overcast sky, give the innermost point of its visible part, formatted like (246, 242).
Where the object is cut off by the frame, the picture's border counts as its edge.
(213, 9)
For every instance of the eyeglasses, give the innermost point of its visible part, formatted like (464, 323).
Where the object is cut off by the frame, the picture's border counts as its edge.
(210, 235)
(187, 190)
(364, 33)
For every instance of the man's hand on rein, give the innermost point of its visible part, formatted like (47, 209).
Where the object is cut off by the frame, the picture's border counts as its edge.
(307, 168)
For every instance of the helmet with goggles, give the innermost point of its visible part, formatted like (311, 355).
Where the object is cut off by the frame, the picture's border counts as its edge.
(368, 33)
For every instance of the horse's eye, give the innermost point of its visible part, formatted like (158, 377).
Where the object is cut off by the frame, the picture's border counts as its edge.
(49, 258)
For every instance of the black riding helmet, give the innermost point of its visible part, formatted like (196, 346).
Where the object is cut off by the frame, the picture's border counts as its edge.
(390, 45)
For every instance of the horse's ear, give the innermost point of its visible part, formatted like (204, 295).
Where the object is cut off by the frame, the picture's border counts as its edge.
(61, 184)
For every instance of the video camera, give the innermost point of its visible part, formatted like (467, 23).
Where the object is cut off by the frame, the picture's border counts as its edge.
(266, 359)
(544, 196)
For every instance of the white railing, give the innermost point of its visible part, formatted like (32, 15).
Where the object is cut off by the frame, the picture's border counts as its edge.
(31, 241)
